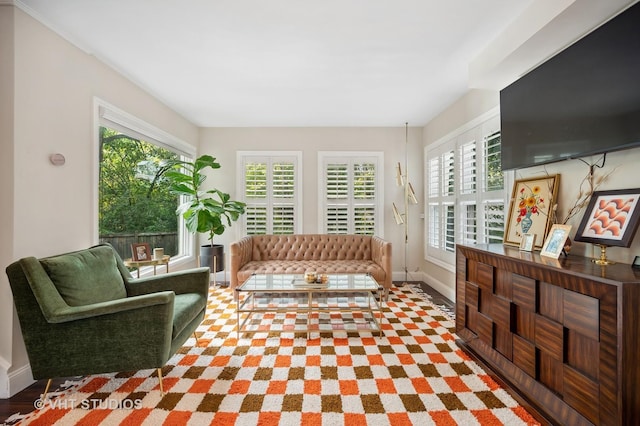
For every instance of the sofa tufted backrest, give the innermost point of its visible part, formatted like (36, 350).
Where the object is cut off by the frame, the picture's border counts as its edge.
(311, 247)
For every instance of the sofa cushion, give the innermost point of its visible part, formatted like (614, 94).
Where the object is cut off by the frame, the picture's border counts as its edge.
(185, 308)
(87, 276)
(320, 266)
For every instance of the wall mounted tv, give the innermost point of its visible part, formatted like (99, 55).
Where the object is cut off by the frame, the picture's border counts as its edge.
(583, 101)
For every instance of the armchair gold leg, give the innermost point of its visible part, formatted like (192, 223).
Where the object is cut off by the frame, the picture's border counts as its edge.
(46, 390)
(196, 337)
(160, 380)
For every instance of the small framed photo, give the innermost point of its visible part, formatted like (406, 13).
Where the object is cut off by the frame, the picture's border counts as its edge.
(611, 219)
(550, 261)
(527, 242)
(636, 263)
(555, 241)
(140, 252)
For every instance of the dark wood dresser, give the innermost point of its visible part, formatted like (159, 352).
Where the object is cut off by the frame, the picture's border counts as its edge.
(564, 334)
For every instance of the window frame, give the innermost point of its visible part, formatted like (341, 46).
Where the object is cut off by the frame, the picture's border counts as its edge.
(108, 115)
(269, 157)
(377, 157)
(476, 131)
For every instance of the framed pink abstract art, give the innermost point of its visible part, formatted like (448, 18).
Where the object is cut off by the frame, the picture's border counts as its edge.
(611, 219)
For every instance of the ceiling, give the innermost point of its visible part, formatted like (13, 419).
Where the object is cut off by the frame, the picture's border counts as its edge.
(239, 63)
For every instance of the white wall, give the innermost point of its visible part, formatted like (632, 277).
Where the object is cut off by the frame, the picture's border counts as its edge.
(223, 143)
(52, 208)
(6, 191)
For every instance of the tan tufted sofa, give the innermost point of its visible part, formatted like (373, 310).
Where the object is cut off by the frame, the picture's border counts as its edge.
(294, 254)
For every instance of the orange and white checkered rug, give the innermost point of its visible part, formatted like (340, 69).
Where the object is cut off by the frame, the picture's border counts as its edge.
(413, 375)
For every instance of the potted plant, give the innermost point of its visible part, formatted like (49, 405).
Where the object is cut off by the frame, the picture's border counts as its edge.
(204, 211)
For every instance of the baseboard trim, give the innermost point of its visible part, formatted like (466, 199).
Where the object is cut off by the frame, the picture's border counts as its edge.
(20, 379)
(410, 276)
(441, 287)
(13, 382)
(4, 378)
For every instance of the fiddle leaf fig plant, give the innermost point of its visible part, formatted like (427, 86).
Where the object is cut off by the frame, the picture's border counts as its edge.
(209, 211)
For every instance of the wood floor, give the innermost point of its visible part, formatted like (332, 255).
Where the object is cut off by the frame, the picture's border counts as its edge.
(23, 402)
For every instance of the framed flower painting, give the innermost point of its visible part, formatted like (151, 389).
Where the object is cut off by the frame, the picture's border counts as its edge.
(532, 202)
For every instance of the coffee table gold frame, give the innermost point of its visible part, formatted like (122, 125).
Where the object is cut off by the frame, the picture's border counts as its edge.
(260, 295)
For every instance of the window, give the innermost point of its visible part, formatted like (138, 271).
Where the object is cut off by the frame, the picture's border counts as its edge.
(133, 205)
(465, 190)
(270, 185)
(350, 192)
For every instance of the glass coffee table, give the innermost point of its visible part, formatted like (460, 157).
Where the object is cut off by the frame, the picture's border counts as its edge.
(346, 302)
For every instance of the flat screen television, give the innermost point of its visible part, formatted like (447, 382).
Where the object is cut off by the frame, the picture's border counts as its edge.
(583, 101)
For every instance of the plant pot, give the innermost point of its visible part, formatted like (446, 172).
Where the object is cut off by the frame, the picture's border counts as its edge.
(210, 252)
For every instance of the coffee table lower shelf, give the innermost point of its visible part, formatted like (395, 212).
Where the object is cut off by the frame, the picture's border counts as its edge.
(313, 309)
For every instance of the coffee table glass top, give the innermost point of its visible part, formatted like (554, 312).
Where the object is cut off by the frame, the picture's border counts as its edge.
(291, 282)
(346, 302)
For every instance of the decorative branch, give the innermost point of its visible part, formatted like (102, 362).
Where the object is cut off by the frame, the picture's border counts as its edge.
(589, 184)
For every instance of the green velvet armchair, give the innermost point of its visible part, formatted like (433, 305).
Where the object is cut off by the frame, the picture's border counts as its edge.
(83, 313)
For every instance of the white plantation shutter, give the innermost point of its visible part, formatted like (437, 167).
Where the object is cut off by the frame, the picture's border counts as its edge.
(433, 227)
(255, 220)
(364, 176)
(283, 211)
(364, 186)
(283, 180)
(337, 219)
(283, 219)
(468, 168)
(467, 195)
(433, 211)
(433, 174)
(493, 221)
(270, 186)
(350, 193)
(469, 224)
(449, 175)
(493, 196)
(337, 185)
(465, 190)
(450, 228)
(493, 176)
(255, 186)
(364, 220)
(441, 168)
